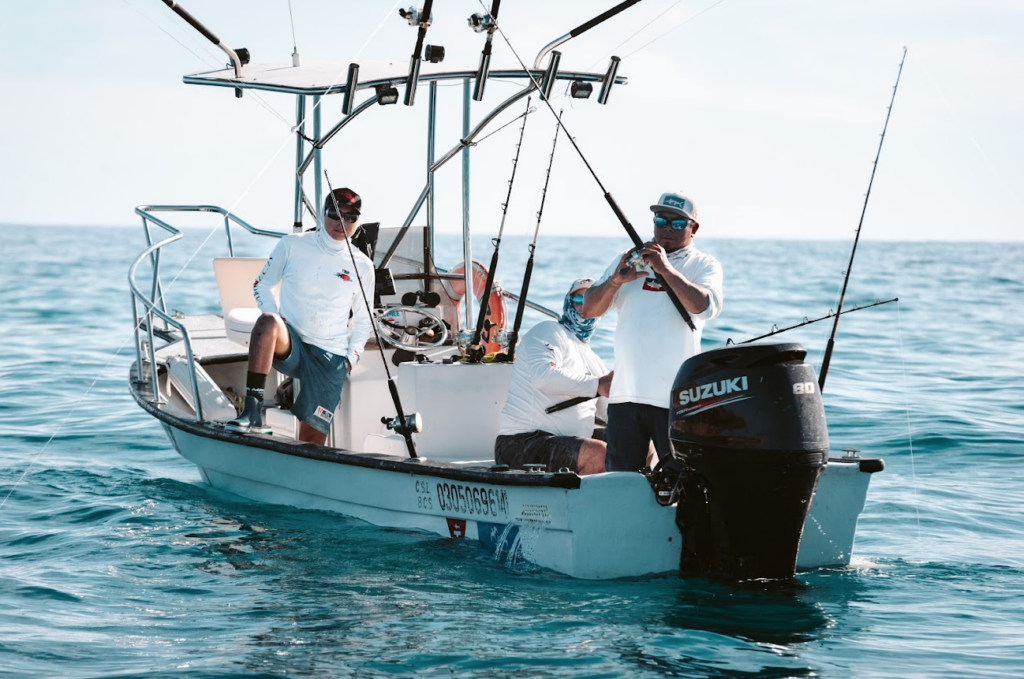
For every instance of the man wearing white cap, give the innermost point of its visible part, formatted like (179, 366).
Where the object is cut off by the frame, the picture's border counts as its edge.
(554, 364)
(652, 339)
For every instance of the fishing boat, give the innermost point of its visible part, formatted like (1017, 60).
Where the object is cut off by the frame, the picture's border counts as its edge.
(411, 443)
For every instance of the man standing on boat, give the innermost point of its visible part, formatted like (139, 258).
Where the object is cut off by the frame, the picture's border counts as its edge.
(651, 338)
(555, 363)
(317, 330)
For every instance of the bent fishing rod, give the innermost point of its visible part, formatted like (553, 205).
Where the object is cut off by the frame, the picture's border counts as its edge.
(568, 403)
(475, 351)
(510, 354)
(619, 214)
(846, 279)
(830, 314)
(401, 424)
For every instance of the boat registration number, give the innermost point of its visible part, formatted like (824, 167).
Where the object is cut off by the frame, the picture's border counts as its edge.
(468, 499)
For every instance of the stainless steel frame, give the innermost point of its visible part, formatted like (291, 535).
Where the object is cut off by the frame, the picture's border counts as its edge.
(155, 306)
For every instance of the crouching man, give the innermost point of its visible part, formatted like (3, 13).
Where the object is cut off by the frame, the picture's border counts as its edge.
(555, 363)
(317, 328)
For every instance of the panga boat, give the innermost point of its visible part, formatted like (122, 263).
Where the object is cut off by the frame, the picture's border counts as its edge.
(752, 492)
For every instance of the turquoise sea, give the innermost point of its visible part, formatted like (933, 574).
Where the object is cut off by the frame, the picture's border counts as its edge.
(116, 561)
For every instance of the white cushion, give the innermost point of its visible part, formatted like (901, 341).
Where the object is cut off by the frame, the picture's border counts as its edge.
(239, 322)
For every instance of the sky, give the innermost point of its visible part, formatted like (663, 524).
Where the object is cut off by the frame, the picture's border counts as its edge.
(767, 112)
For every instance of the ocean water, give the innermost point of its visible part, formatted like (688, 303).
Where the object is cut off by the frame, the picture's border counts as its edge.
(116, 561)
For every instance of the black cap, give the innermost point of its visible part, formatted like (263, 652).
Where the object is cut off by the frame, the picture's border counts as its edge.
(347, 201)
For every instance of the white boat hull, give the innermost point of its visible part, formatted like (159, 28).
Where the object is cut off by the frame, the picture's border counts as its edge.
(610, 526)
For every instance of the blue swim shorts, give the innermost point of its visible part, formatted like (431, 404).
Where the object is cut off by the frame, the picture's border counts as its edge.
(321, 376)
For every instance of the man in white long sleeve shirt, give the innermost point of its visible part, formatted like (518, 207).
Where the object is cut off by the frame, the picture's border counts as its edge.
(317, 328)
(555, 363)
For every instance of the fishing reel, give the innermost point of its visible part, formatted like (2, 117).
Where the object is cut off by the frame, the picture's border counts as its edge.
(414, 16)
(411, 328)
(480, 23)
(413, 424)
(464, 340)
(636, 261)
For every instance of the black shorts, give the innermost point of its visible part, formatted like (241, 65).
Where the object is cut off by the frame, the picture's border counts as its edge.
(538, 447)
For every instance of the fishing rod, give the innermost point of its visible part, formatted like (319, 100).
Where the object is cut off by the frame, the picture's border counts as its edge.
(401, 424)
(846, 279)
(475, 351)
(830, 314)
(510, 355)
(569, 403)
(619, 214)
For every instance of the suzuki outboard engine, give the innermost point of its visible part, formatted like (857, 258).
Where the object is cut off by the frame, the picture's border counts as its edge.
(748, 424)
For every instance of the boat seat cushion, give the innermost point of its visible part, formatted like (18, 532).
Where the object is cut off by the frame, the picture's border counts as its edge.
(238, 324)
(235, 276)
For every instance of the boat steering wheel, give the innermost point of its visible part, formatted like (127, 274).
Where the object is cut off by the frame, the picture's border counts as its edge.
(411, 328)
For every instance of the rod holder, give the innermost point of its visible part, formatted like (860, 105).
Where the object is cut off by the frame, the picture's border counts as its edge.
(609, 80)
(481, 76)
(548, 83)
(411, 81)
(350, 89)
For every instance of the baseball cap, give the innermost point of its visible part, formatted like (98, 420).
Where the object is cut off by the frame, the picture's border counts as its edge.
(348, 201)
(581, 284)
(677, 203)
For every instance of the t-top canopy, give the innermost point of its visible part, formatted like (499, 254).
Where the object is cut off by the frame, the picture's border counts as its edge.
(331, 77)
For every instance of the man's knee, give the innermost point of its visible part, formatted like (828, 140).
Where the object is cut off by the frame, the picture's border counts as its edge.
(267, 323)
(308, 434)
(591, 457)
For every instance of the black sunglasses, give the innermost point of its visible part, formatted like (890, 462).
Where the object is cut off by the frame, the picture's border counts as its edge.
(347, 216)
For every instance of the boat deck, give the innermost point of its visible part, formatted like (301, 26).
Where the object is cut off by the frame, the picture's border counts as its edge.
(209, 340)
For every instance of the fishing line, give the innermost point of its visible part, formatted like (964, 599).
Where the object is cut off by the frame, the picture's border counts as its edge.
(170, 285)
(910, 429)
(165, 289)
(677, 26)
(962, 126)
(212, 62)
(402, 425)
(635, 33)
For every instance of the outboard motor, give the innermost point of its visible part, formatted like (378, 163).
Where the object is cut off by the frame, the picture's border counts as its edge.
(748, 424)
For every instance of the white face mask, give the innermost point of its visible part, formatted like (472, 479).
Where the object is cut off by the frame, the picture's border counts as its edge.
(328, 244)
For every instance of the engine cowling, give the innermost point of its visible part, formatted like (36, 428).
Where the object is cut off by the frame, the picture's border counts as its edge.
(749, 425)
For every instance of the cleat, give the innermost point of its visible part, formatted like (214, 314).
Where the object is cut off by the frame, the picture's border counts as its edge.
(251, 419)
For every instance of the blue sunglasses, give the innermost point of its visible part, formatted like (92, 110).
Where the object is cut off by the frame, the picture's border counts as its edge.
(677, 224)
(577, 298)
